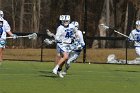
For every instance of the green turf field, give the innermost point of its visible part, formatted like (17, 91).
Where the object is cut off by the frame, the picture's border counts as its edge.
(36, 77)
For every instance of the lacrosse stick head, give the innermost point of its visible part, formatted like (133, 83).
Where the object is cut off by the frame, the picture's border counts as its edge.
(103, 26)
(111, 57)
(32, 36)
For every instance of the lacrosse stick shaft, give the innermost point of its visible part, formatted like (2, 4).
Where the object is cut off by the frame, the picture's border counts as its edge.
(30, 36)
(17, 36)
(107, 27)
(121, 33)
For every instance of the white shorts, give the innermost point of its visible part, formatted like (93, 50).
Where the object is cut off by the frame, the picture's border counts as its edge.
(63, 48)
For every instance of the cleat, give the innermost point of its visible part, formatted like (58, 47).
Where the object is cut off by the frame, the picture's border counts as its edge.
(60, 74)
(63, 73)
(55, 71)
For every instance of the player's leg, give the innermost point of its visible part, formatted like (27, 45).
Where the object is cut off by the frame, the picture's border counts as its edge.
(73, 56)
(60, 62)
(2, 46)
(60, 73)
(57, 58)
(64, 51)
(137, 49)
(137, 60)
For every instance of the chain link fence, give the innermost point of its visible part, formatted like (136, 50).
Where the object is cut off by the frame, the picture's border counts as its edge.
(36, 50)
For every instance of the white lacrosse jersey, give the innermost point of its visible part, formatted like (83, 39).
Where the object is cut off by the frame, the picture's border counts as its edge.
(80, 36)
(4, 28)
(76, 52)
(64, 37)
(135, 36)
(79, 43)
(65, 34)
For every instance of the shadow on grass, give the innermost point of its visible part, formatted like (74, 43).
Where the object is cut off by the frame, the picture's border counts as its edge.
(127, 71)
(48, 74)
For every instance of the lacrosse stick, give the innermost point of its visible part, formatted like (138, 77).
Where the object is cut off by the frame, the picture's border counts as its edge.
(30, 36)
(107, 27)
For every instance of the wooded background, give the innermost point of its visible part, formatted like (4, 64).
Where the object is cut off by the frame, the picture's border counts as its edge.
(26, 16)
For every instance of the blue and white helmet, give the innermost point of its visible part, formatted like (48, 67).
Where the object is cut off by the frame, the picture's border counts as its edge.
(138, 25)
(1, 14)
(76, 24)
(65, 19)
(138, 22)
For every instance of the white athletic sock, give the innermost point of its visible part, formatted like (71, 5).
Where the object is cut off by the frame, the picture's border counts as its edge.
(56, 67)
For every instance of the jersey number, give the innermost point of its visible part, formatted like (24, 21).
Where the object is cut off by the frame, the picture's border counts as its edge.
(69, 34)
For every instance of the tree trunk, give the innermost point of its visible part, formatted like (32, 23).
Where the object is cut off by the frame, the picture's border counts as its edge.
(35, 18)
(126, 21)
(13, 16)
(0, 4)
(21, 22)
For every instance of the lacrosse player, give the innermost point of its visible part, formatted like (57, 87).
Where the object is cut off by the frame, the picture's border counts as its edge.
(4, 29)
(64, 38)
(135, 36)
(77, 47)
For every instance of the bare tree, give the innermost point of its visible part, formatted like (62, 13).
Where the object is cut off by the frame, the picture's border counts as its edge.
(21, 21)
(35, 17)
(0, 4)
(13, 15)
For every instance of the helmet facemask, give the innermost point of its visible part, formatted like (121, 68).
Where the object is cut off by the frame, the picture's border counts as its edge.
(76, 24)
(1, 14)
(1, 24)
(138, 27)
(76, 27)
(66, 22)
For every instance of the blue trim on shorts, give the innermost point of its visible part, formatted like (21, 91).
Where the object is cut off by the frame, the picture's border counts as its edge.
(59, 50)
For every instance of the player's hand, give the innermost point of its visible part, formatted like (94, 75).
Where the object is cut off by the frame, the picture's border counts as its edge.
(14, 36)
(79, 47)
(48, 42)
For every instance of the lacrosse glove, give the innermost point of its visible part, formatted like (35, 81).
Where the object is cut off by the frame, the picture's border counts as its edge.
(14, 36)
(79, 47)
(48, 42)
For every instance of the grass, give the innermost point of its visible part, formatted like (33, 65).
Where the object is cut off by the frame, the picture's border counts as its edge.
(36, 77)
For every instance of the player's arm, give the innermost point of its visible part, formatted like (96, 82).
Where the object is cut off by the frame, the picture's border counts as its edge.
(8, 30)
(81, 39)
(131, 37)
(58, 34)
